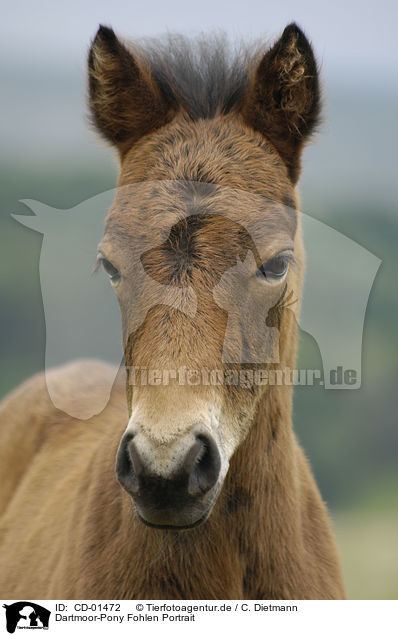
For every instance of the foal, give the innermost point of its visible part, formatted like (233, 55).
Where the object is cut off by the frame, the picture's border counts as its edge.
(213, 497)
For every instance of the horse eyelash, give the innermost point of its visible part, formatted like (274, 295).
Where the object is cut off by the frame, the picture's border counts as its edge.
(289, 255)
(97, 265)
(290, 259)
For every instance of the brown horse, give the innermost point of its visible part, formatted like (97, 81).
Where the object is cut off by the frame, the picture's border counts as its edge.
(213, 497)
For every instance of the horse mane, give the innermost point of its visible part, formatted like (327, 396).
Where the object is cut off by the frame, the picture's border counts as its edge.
(205, 74)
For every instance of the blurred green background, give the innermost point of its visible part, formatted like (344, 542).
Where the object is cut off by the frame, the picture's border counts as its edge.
(349, 181)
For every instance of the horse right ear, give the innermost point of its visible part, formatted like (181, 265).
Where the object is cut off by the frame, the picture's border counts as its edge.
(283, 101)
(124, 100)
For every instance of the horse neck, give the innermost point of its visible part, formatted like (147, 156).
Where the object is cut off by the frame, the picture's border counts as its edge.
(263, 475)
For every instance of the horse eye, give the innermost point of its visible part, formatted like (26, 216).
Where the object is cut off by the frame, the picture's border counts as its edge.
(276, 267)
(111, 270)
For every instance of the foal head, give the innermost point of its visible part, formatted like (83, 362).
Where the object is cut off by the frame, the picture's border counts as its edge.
(202, 246)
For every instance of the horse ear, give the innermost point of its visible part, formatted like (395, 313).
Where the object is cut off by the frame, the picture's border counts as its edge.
(283, 100)
(124, 100)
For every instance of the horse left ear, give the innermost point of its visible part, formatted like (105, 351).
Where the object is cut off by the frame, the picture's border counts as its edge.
(283, 101)
(124, 100)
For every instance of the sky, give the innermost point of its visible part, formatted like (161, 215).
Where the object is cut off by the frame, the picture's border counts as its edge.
(43, 52)
(349, 36)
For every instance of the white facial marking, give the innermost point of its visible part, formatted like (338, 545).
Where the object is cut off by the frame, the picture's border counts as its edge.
(163, 438)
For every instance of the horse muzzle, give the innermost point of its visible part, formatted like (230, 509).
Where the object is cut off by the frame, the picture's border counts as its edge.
(178, 497)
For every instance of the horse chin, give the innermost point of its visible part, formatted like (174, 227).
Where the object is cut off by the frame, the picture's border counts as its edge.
(174, 527)
(176, 520)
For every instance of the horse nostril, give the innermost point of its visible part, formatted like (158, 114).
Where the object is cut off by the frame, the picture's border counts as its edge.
(205, 463)
(197, 474)
(128, 464)
(135, 459)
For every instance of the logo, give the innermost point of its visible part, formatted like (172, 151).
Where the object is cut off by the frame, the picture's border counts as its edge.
(81, 310)
(26, 615)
